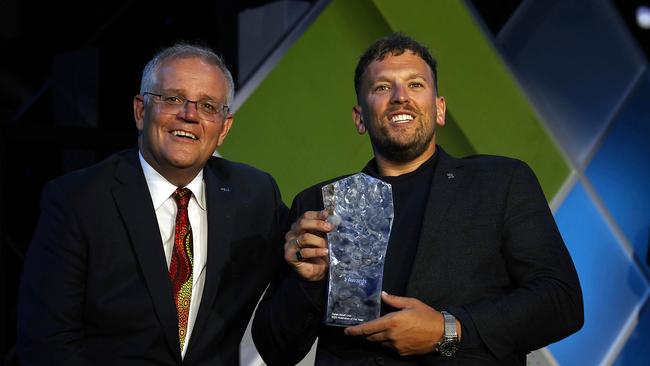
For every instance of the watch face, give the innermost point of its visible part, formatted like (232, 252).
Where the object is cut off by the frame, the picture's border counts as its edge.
(448, 347)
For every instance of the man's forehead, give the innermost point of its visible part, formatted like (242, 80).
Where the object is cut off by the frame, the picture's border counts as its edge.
(405, 65)
(179, 74)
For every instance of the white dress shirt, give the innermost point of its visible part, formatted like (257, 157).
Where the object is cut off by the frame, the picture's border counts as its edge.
(165, 206)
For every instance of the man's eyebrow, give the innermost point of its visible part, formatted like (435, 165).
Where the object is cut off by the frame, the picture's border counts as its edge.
(202, 96)
(415, 75)
(380, 78)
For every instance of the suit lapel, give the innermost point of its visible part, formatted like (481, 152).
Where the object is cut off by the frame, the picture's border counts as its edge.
(134, 202)
(431, 253)
(219, 201)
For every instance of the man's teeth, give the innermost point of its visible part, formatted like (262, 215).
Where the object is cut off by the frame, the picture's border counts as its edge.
(401, 118)
(185, 134)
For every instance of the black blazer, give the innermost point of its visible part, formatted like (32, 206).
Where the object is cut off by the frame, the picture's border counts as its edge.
(489, 252)
(95, 286)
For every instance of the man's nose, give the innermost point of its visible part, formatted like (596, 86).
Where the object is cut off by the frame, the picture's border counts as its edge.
(190, 111)
(399, 94)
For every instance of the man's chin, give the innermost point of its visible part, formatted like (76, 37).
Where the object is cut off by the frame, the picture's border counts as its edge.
(401, 153)
(183, 162)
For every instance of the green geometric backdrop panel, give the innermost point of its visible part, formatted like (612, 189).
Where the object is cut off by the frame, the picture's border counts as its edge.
(297, 124)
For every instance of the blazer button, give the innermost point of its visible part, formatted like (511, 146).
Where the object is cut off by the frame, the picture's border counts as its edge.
(380, 361)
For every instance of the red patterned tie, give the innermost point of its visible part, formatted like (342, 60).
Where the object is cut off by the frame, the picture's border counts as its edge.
(180, 268)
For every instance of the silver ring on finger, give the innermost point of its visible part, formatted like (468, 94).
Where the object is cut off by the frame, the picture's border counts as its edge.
(298, 243)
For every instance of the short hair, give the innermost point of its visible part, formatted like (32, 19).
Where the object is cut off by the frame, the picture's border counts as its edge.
(394, 44)
(181, 51)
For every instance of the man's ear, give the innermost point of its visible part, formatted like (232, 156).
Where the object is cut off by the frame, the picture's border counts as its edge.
(227, 123)
(441, 109)
(138, 112)
(357, 117)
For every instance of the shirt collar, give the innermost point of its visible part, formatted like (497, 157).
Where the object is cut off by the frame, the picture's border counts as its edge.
(161, 189)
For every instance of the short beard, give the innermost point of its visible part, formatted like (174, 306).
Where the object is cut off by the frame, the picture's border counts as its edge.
(402, 153)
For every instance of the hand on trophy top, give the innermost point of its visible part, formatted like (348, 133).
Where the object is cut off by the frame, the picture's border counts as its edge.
(306, 245)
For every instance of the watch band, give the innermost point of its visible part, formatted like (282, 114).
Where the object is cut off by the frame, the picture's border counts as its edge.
(449, 344)
(450, 326)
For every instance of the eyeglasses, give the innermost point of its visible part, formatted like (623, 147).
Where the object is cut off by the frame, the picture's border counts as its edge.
(172, 104)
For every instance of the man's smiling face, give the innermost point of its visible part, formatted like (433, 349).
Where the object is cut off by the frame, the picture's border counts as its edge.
(399, 107)
(182, 141)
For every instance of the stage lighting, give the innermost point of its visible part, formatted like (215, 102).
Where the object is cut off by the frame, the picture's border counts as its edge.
(643, 17)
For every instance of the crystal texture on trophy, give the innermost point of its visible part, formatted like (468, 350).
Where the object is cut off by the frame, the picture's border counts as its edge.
(361, 208)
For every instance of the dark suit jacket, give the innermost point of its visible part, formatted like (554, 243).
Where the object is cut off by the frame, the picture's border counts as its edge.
(489, 252)
(95, 286)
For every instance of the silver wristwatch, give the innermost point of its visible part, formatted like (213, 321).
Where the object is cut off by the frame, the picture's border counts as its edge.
(449, 344)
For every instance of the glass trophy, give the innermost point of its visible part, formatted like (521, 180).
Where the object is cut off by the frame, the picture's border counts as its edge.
(361, 208)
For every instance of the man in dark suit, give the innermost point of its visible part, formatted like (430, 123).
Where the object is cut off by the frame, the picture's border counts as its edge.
(157, 255)
(476, 272)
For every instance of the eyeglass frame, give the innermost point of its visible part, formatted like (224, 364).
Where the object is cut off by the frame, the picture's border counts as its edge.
(220, 108)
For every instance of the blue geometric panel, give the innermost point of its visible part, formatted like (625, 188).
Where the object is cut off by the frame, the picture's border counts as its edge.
(637, 348)
(620, 171)
(612, 285)
(576, 61)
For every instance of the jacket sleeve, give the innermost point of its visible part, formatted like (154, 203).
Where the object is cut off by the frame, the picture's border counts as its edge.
(544, 304)
(288, 318)
(51, 294)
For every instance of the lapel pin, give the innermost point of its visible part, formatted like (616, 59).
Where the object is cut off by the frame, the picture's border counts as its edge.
(451, 175)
